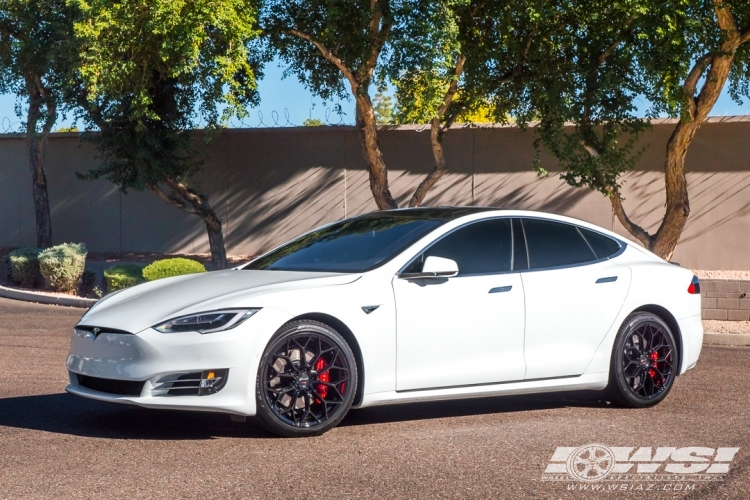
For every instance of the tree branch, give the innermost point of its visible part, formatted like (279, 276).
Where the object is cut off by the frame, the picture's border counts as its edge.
(633, 228)
(379, 34)
(171, 199)
(695, 73)
(450, 93)
(725, 19)
(327, 54)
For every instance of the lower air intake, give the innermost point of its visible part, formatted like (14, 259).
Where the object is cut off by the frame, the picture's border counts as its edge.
(111, 386)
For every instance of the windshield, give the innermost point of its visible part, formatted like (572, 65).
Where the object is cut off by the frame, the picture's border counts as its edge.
(350, 246)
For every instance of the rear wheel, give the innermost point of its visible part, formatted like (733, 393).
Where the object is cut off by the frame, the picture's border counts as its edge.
(306, 380)
(644, 361)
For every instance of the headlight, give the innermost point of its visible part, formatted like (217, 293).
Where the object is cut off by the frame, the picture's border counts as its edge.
(208, 322)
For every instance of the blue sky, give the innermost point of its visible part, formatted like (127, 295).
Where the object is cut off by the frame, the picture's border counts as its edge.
(281, 96)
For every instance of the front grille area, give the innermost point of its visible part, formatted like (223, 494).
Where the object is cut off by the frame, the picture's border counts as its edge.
(111, 386)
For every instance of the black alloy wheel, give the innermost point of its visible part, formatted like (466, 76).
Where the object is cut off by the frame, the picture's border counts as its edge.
(644, 361)
(307, 380)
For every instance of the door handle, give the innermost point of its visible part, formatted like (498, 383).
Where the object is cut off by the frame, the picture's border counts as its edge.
(608, 279)
(501, 289)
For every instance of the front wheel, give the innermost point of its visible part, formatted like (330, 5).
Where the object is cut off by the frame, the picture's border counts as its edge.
(644, 361)
(306, 381)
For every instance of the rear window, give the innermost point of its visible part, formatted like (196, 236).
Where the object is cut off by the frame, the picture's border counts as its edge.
(603, 246)
(349, 246)
(553, 244)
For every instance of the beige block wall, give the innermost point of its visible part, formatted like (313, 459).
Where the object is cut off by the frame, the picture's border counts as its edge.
(269, 185)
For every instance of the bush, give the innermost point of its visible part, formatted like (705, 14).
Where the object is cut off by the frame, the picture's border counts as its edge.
(62, 266)
(171, 267)
(123, 276)
(23, 267)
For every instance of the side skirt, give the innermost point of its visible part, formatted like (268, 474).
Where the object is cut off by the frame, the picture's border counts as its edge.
(588, 381)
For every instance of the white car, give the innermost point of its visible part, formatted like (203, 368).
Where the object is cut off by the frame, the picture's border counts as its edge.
(394, 307)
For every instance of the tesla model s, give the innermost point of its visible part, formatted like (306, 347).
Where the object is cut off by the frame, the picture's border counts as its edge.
(393, 307)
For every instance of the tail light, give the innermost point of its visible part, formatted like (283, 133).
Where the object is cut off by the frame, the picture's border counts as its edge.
(695, 286)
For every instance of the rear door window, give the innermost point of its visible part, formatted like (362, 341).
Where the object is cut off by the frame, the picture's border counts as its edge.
(553, 244)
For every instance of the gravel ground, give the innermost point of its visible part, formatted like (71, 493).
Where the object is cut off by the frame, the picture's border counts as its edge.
(722, 275)
(715, 326)
(56, 445)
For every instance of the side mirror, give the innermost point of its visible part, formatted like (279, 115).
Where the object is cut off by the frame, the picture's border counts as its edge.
(434, 267)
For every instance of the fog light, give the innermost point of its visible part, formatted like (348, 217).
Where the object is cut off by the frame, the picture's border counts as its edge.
(212, 381)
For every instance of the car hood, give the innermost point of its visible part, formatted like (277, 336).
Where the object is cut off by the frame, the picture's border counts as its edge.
(140, 307)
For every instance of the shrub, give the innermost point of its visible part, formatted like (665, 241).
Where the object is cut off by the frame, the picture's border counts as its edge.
(62, 266)
(88, 283)
(171, 267)
(23, 267)
(123, 276)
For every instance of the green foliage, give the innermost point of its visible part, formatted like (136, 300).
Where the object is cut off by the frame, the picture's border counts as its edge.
(312, 122)
(23, 267)
(151, 70)
(622, 55)
(477, 46)
(346, 29)
(62, 266)
(172, 267)
(35, 54)
(123, 276)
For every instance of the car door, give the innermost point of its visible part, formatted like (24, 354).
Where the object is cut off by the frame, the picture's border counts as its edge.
(573, 294)
(466, 329)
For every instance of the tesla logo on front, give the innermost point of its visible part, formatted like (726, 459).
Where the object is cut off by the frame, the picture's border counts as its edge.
(94, 333)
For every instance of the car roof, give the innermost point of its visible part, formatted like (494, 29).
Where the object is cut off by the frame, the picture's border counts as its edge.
(431, 212)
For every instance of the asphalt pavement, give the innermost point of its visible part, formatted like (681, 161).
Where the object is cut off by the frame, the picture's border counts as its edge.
(57, 445)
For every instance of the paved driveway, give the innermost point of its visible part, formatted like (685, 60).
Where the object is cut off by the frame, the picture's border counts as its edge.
(56, 445)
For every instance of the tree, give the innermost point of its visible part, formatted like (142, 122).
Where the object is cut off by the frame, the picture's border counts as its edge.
(383, 107)
(334, 44)
(678, 55)
(444, 75)
(149, 72)
(34, 51)
(325, 41)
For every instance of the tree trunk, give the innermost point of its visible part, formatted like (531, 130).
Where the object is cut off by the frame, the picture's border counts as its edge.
(368, 137)
(677, 211)
(36, 145)
(186, 199)
(215, 240)
(441, 167)
(35, 150)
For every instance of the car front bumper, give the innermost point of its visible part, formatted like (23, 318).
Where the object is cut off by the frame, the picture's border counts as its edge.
(152, 358)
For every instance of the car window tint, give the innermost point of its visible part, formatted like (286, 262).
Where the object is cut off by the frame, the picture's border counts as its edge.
(352, 245)
(478, 248)
(603, 246)
(553, 244)
(520, 257)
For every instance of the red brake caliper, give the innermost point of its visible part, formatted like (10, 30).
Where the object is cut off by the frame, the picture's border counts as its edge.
(653, 357)
(321, 365)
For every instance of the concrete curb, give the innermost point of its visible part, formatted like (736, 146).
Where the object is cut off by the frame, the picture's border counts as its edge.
(45, 298)
(726, 339)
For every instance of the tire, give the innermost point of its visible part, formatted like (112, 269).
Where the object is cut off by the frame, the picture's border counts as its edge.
(305, 395)
(645, 362)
